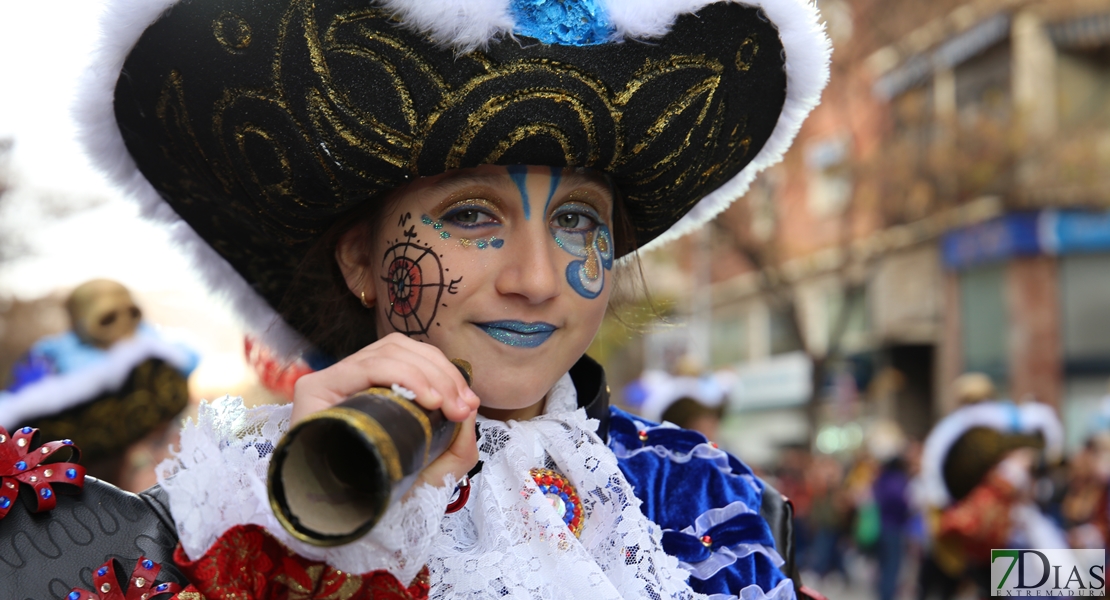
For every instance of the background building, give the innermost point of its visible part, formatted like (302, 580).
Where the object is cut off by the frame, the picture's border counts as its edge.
(943, 210)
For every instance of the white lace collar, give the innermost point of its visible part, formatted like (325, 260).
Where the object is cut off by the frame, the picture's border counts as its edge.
(508, 541)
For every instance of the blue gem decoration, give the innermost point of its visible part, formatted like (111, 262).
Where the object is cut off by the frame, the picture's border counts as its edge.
(67, 442)
(148, 564)
(46, 493)
(5, 502)
(161, 587)
(497, 242)
(102, 571)
(564, 22)
(22, 466)
(25, 430)
(73, 595)
(71, 473)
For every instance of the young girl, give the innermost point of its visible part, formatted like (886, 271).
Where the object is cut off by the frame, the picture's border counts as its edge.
(387, 186)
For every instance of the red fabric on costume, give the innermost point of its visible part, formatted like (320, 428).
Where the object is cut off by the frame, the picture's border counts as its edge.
(981, 521)
(247, 563)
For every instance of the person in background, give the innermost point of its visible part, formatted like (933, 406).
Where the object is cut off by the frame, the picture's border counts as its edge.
(889, 491)
(978, 464)
(690, 398)
(108, 383)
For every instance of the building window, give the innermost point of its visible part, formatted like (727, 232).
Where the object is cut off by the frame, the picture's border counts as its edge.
(984, 319)
(784, 338)
(854, 336)
(829, 186)
(728, 341)
(1084, 294)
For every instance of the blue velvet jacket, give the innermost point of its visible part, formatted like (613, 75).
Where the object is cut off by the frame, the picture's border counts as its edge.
(708, 504)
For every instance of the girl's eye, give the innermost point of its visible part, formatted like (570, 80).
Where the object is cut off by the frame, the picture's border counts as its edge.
(574, 221)
(469, 217)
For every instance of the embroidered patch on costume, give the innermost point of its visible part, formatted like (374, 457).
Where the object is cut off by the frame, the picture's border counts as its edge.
(562, 496)
(39, 468)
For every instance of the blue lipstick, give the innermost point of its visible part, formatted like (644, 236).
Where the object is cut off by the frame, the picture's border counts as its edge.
(518, 333)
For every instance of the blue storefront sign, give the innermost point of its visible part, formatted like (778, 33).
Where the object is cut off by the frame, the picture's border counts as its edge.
(1027, 234)
(1014, 234)
(1075, 232)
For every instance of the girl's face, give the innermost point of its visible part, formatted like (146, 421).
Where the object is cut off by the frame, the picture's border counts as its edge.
(508, 268)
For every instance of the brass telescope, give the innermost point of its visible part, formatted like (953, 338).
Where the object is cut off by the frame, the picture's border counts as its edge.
(333, 475)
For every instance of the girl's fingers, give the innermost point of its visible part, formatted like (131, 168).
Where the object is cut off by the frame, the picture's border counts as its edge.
(442, 377)
(395, 359)
(467, 399)
(326, 388)
(459, 458)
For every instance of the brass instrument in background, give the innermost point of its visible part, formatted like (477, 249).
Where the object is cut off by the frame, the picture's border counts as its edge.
(334, 474)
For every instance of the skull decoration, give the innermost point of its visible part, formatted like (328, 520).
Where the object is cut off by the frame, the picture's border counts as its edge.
(102, 313)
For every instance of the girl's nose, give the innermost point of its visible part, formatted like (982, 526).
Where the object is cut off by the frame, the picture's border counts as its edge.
(533, 271)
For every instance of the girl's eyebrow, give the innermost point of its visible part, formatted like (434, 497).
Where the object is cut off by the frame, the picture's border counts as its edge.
(595, 181)
(450, 185)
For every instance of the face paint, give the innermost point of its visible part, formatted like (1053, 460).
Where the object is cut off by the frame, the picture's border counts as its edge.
(519, 175)
(592, 242)
(556, 175)
(480, 243)
(416, 283)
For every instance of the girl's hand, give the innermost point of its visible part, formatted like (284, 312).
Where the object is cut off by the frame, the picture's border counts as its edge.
(420, 367)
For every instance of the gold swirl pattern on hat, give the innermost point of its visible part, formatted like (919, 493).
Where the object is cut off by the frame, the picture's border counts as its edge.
(321, 106)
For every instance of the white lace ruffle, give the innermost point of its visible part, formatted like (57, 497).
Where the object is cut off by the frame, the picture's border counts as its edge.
(783, 591)
(218, 480)
(726, 555)
(508, 542)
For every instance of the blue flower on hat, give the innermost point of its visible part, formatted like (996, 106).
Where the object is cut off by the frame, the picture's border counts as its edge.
(566, 22)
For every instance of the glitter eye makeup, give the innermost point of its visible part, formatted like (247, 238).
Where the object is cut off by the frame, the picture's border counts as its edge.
(469, 216)
(578, 229)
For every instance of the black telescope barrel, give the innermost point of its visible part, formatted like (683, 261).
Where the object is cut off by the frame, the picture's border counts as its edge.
(334, 474)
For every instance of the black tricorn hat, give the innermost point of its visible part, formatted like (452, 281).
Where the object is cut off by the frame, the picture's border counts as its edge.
(254, 125)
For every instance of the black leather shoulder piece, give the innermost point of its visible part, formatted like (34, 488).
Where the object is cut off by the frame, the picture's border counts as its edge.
(779, 514)
(593, 392)
(44, 556)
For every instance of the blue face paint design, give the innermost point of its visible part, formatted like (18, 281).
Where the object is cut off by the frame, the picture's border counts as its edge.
(556, 176)
(593, 244)
(519, 175)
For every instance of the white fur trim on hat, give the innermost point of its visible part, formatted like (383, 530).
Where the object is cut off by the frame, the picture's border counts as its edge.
(462, 24)
(57, 393)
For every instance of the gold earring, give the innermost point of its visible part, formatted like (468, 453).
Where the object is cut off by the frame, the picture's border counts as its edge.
(362, 298)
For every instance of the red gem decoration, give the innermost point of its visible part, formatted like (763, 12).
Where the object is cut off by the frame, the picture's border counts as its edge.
(38, 468)
(559, 491)
(140, 586)
(643, 436)
(706, 541)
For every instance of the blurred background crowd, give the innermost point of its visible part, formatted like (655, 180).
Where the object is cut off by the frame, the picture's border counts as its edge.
(905, 326)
